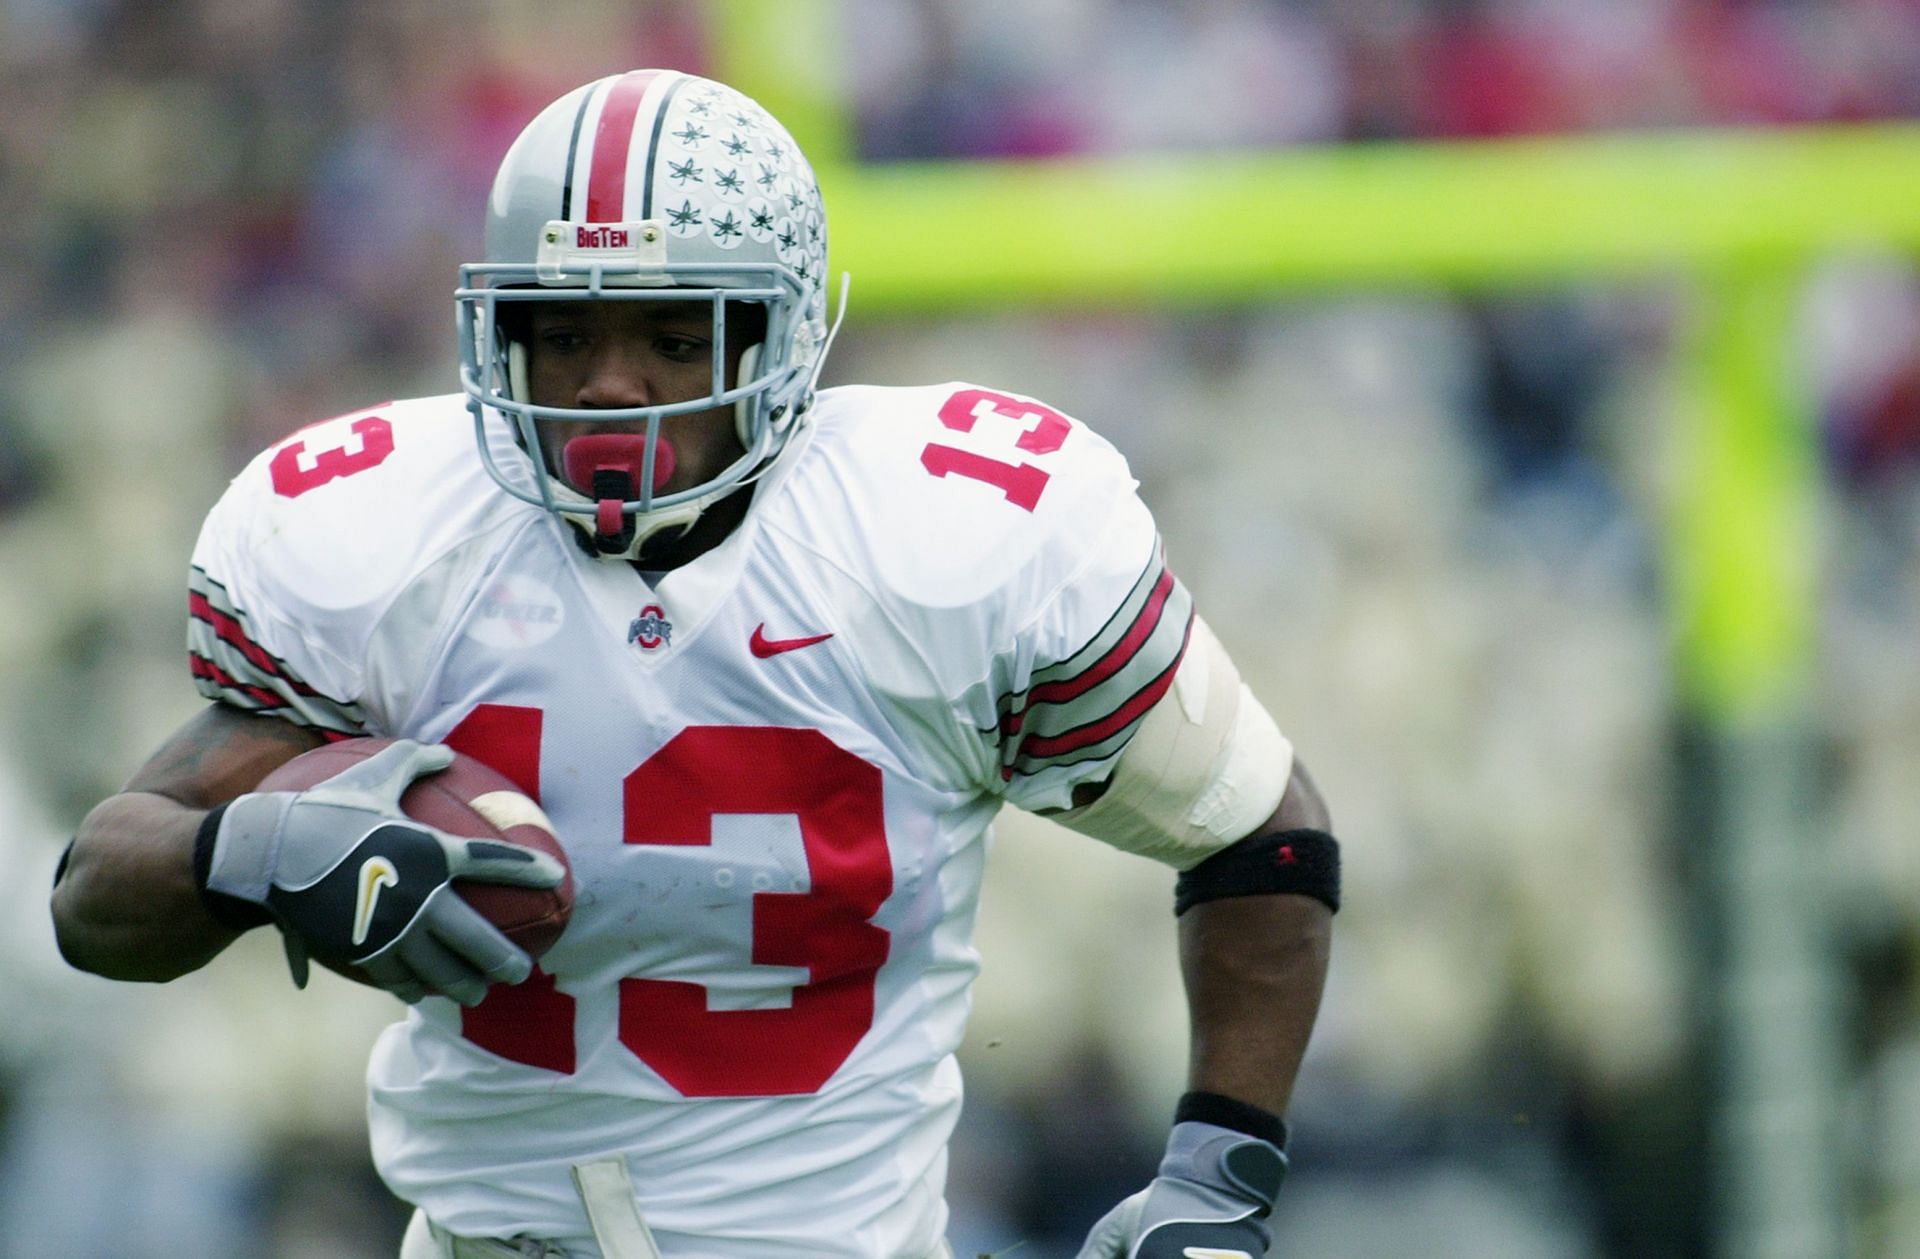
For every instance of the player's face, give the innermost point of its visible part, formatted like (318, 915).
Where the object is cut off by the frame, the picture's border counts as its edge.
(604, 355)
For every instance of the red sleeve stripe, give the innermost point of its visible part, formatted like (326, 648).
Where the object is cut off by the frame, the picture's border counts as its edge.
(230, 667)
(1136, 636)
(1117, 659)
(1152, 632)
(1124, 614)
(229, 629)
(221, 685)
(1049, 747)
(207, 670)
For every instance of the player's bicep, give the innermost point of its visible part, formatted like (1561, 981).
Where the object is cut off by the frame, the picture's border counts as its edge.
(220, 753)
(1206, 767)
(1302, 807)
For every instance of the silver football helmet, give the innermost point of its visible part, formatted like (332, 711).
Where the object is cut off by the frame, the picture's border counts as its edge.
(648, 186)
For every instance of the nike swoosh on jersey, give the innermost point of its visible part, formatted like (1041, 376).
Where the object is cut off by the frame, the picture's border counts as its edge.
(375, 873)
(762, 646)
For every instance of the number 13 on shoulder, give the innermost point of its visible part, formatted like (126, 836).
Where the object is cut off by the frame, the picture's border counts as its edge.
(1022, 483)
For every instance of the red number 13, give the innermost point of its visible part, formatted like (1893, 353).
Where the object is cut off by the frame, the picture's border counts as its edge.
(1020, 482)
(292, 477)
(672, 799)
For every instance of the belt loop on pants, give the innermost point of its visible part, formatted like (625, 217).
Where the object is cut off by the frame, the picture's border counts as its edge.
(426, 1240)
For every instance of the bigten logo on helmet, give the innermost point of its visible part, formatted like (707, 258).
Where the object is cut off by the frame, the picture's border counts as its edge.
(599, 236)
(651, 629)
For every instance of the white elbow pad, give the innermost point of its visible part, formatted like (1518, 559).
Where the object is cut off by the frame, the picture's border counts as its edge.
(1206, 767)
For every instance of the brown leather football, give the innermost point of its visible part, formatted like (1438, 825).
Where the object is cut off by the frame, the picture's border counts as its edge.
(471, 799)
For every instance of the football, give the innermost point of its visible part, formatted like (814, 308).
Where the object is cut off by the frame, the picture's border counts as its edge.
(471, 799)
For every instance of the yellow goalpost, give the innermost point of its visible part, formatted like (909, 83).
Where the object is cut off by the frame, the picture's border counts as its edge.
(1739, 215)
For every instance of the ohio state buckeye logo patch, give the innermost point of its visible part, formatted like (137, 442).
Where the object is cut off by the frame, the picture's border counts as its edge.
(651, 629)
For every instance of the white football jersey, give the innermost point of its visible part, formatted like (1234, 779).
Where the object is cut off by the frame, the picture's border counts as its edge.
(773, 771)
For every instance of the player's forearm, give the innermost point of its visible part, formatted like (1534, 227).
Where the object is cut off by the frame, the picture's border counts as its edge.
(1255, 967)
(127, 906)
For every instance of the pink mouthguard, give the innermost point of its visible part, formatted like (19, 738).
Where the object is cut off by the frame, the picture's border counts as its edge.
(624, 454)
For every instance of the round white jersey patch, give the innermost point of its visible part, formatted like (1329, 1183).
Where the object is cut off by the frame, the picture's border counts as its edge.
(517, 612)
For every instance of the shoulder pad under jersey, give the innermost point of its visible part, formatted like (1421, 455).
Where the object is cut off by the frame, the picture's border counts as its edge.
(317, 539)
(1005, 547)
(952, 494)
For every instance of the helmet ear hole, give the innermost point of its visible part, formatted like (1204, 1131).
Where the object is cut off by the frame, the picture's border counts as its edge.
(743, 409)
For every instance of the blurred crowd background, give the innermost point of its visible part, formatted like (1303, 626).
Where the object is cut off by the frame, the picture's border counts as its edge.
(1428, 526)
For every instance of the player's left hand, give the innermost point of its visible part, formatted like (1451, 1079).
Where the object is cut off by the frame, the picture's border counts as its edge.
(352, 880)
(1210, 1201)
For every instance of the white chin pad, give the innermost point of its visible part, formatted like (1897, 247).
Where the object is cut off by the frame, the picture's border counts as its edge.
(743, 409)
(1204, 770)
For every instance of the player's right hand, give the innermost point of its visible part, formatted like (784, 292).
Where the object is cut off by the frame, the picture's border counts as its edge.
(352, 880)
(1211, 1199)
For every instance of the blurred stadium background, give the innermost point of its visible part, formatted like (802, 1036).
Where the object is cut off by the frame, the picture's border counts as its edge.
(1529, 389)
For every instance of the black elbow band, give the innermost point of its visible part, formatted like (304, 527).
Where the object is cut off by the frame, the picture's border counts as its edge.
(1303, 862)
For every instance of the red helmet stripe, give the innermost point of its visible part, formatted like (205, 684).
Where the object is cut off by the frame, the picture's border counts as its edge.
(612, 144)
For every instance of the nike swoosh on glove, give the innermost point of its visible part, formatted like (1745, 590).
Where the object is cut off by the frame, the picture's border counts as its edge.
(1210, 1200)
(352, 880)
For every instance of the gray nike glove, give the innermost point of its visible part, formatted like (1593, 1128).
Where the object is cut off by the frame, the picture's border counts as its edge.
(352, 880)
(1209, 1201)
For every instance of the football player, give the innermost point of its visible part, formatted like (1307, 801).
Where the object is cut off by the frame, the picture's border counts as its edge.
(771, 657)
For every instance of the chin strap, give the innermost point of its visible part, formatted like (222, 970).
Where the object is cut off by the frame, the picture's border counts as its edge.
(640, 529)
